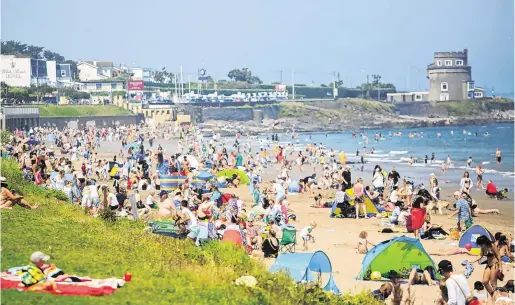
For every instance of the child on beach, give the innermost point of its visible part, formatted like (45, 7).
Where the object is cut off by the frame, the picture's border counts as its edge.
(305, 233)
(363, 242)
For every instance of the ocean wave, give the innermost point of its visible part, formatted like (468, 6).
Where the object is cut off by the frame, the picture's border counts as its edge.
(398, 152)
(485, 162)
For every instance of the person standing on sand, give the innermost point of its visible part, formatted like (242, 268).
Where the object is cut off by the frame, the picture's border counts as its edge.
(457, 288)
(498, 155)
(347, 179)
(359, 199)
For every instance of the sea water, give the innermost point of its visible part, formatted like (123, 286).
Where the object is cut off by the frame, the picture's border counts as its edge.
(457, 142)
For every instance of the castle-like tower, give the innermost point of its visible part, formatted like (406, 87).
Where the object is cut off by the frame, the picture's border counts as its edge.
(450, 77)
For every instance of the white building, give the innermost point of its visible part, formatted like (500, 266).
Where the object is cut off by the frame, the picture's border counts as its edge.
(15, 72)
(89, 72)
(143, 74)
(23, 72)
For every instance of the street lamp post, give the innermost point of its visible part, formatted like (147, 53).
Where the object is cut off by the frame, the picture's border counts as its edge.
(292, 85)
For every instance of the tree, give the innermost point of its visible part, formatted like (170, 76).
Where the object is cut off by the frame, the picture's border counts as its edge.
(34, 52)
(18, 93)
(376, 80)
(243, 75)
(49, 55)
(159, 77)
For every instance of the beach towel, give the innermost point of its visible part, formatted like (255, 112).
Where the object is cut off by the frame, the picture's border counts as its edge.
(469, 268)
(87, 287)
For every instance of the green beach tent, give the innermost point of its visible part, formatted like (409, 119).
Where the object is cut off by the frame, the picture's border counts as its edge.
(244, 179)
(400, 254)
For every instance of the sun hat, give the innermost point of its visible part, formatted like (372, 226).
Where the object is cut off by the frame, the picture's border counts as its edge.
(432, 174)
(3, 180)
(39, 256)
(163, 192)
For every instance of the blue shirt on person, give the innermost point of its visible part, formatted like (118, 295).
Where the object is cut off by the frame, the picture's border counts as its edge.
(462, 206)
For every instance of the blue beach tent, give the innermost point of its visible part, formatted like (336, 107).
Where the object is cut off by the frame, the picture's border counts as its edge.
(304, 267)
(400, 254)
(470, 236)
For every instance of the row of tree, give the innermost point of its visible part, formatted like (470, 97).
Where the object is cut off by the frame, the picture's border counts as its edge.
(37, 93)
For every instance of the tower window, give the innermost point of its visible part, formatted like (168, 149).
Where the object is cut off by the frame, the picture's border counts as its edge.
(444, 86)
(459, 62)
(448, 63)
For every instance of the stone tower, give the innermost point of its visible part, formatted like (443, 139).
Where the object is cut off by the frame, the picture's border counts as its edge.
(450, 77)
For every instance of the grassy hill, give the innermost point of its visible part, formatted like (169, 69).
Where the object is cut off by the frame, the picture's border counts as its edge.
(80, 110)
(164, 270)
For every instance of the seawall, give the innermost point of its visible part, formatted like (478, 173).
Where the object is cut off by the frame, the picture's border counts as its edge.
(82, 121)
(239, 113)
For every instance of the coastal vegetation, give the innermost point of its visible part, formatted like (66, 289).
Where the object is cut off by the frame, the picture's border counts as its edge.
(81, 110)
(474, 107)
(164, 270)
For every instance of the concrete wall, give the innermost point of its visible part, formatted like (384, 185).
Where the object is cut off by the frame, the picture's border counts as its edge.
(107, 121)
(239, 114)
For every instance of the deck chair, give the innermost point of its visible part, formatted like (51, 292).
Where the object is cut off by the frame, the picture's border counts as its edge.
(288, 241)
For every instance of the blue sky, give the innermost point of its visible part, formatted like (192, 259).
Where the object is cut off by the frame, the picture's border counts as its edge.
(392, 38)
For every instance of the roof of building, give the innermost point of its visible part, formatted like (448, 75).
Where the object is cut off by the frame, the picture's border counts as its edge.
(100, 63)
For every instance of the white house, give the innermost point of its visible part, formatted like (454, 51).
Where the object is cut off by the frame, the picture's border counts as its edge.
(89, 72)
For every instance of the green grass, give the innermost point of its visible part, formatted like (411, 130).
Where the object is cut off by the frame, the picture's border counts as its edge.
(80, 110)
(164, 270)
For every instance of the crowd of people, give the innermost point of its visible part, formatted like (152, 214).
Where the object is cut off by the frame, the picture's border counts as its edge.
(129, 184)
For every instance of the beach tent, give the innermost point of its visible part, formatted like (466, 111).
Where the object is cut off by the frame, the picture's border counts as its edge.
(204, 176)
(371, 208)
(401, 254)
(470, 236)
(306, 267)
(171, 183)
(244, 179)
(233, 237)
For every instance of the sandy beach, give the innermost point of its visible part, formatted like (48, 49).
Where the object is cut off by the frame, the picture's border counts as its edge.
(338, 237)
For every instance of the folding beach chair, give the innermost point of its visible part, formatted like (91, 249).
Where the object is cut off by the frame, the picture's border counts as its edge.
(288, 241)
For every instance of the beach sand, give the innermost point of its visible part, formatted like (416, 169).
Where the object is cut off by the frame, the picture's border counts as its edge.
(338, 237)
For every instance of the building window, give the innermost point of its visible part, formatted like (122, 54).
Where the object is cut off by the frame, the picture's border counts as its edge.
(444, 96)
(63, 73)
(438, 63)
(113, 86)
(448, 63)
(470, 86)
(99, 86)
(478, 94)
(459, 62)
(444, 86)
(418, 97)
